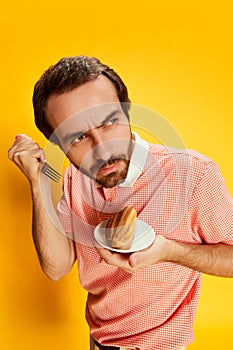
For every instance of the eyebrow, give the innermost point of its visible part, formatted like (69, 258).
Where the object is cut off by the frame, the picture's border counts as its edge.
(76, 134)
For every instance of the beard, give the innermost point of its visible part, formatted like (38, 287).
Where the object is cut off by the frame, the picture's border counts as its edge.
(113, 178)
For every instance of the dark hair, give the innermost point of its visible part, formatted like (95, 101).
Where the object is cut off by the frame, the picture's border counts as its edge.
(66, 75)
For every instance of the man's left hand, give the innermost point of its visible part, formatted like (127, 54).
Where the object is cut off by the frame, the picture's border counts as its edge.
(157, 252)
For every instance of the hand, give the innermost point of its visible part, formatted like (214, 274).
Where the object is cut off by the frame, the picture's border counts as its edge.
(156, 253)
(27, 155)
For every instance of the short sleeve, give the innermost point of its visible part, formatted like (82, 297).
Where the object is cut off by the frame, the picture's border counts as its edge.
(64, 215)
(213, 205)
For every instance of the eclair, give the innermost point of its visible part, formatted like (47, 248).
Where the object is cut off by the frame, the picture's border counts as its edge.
(119, 232)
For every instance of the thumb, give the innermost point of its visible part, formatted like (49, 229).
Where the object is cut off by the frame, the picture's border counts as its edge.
(134, 259)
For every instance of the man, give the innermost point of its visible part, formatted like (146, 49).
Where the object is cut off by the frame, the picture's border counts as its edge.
(146, 299)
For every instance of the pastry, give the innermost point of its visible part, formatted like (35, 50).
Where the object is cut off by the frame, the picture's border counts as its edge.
(120, 228)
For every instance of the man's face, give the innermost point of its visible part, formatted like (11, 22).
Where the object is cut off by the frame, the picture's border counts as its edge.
(93, 130)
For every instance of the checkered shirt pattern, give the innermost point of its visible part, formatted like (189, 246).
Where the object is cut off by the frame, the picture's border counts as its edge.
(182, 195)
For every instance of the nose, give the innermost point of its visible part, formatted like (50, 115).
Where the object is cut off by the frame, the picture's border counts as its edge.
(101, 147)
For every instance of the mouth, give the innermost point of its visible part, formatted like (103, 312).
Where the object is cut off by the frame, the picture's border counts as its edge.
(108, 168)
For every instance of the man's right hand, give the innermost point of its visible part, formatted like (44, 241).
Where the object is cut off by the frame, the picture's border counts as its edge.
(27, 155)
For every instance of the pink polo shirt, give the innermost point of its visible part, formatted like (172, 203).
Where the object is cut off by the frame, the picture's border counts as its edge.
(182, 195)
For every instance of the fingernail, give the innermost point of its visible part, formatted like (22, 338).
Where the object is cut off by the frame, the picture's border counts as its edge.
(22, 135)
(19, 135)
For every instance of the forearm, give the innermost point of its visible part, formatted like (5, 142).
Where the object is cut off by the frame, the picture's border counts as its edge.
(55, 251)
(213, 259)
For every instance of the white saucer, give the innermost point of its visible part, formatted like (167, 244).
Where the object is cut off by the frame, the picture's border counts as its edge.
(144, 236)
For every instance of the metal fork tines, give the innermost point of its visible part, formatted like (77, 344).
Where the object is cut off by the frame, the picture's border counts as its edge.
(50, 172)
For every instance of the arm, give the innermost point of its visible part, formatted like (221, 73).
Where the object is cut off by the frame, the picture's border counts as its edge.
(55, 251)
(216, 259)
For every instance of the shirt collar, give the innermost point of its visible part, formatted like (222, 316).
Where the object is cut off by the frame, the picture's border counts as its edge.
(137, 161)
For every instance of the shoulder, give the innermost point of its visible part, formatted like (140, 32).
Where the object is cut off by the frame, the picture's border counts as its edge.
(167, 152)
(182, 159)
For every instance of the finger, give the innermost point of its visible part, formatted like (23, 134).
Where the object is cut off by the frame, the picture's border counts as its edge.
(120, 260)
(20, 139)
(97, 245)
(104, 253)
(34, 155)
(25, 146)
(133, 260)
(22, 147)
(116, 259)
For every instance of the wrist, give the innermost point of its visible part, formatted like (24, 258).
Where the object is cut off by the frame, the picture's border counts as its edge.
(176, 251)
(39, 186)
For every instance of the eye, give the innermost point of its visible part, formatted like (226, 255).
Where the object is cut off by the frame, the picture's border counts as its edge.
(79, 138)
(111, 121)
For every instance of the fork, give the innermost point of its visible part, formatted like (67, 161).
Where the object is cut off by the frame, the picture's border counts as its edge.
(50, 172)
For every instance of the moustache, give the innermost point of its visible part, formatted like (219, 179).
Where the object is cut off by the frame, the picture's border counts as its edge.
(103, 163)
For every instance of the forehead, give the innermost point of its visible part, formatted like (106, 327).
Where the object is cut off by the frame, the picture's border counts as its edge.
(88, 119)
(98, 92)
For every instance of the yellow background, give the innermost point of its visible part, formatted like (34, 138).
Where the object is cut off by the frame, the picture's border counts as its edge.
(175, 58)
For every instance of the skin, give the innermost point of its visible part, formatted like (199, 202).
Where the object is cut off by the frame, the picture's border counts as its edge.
(98, 144)
(93, 130)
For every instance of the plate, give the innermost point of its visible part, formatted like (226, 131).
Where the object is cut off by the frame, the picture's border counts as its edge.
(144, 236)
